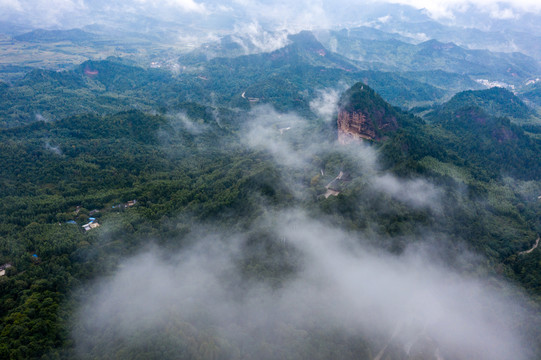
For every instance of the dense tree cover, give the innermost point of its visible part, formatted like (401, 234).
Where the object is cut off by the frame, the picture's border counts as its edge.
(185, 163)
(493, 144)
(496, 101)
(48, 95)
(287, 78)
(115, 159)
(444, 80)
(302, 67)
(532, 94)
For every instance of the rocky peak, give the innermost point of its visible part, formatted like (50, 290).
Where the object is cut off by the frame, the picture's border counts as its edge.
(363, 114)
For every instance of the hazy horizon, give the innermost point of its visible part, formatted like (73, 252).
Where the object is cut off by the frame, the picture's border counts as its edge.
(278, 14)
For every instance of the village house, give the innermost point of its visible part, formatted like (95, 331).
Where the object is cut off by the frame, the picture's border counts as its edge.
(90, 226)
(3, 269)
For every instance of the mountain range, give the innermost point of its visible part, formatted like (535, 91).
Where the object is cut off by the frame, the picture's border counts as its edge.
(176, 182)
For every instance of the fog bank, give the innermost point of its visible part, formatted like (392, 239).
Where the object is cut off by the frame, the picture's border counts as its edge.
(339, 284)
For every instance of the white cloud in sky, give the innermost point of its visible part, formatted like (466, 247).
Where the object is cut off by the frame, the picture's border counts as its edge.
(10, 5)
(271, 14)
(77, 13)
(50, 13)
(496, 9)
(186, 5)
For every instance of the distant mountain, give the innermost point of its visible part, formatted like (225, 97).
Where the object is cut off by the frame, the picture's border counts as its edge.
(362, 32)
(251, 41)
(391, 54)
(299, 67)
(473, 29)
(434, 54)
(38, 77)
(475, 121)
(447, 81)
(45, 36)
(11, 28)
(288, 78)
(301, 48)
(305, 47)
(371, 49)
(94, 87)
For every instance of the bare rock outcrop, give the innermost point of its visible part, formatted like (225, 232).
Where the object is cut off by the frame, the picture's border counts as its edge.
(364, 115)
(354, 126)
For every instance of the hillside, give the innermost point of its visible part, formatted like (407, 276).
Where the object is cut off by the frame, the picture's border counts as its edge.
(483, 134)
(231, 174)
(532, 93)
(287, 78)
(496, 101)
(206, 180)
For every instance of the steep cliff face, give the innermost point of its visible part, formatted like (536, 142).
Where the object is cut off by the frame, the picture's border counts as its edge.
(364, 115)
(354, 126)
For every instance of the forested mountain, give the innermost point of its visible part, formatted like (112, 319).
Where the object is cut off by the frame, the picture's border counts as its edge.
(268, 199)
(59, 171)
(496, 101)
(286, 78)
(396, 55)
(532, 93)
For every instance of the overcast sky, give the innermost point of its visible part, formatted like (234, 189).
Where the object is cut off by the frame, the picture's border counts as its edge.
(306, 14)
(498, 8)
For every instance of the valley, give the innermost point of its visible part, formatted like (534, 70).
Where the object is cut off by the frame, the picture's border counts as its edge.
(196, 187)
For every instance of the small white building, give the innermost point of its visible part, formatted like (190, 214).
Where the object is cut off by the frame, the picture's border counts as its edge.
(90, 226)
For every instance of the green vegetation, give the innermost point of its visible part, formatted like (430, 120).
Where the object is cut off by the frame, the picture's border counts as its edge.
(388, 53)
(109, 132)
(286, 78)
(495, 101)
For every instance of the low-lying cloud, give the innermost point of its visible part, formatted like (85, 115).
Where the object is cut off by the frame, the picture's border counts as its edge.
(40, 117)
(181, 122)
(53, 148)
(270, 131)
(416, 192)
(212, 299)
(293, 143)
(253, 38)
(339, 284)
(325, 104)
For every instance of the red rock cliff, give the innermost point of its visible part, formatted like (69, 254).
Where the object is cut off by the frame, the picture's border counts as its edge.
(354, 126)
(364, 115)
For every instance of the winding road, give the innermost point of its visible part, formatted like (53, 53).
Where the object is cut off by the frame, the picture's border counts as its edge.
(533, 247)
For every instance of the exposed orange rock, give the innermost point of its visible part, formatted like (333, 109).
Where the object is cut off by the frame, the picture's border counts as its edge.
(354, 126)
(364, 115)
